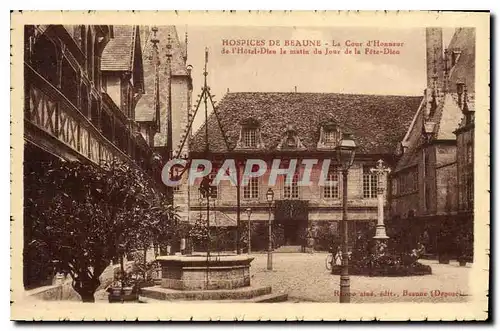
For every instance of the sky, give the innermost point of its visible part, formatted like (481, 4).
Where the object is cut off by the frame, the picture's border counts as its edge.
(401, 74)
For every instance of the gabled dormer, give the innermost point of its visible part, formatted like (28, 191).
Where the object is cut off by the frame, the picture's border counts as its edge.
(290, 140)
(329, 136)
(250, 137)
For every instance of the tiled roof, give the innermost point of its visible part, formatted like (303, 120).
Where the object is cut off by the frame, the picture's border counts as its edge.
(464, 40)
(449, 119)
(117, 55)
(376, 122)
(448, 114)
(145, 108)
(178, 50)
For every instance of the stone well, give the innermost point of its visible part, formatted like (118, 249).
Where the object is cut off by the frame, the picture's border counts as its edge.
(199, 272)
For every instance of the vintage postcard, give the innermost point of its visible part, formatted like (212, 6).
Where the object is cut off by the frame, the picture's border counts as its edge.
(250, 166)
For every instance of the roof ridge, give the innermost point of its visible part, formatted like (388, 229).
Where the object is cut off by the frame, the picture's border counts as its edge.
(132, 54)
(377, 122)
(327, 93)
(414, 120)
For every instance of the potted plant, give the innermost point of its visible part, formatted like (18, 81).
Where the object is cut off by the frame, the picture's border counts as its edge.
(123, 289)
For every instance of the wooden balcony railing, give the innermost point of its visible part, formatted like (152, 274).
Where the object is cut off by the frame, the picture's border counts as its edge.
(50, 110)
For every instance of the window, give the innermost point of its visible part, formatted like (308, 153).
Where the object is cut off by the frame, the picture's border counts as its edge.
(291, 191)
(369, 183)
(251, 190)
(331, 190)
(290, 142)
(395, 186)
(407, 182)
(331, 136)
(250, 137)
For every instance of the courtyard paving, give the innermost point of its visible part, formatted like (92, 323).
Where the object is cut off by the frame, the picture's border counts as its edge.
(304, 277)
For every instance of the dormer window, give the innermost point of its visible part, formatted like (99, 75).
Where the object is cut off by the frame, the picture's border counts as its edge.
(329, 136)
(290, 140)
(249, 137)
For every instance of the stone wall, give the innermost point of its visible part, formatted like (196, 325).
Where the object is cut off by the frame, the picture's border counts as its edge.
(63, 291)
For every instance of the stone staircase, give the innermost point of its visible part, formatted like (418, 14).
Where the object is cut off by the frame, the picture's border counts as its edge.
(244, 294)
(289, 249)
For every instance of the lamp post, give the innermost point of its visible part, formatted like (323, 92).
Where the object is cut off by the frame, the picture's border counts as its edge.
(270, 198)
(249, 213)
(345, 157)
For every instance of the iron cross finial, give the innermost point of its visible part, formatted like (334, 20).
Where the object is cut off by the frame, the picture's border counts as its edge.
(380, 168)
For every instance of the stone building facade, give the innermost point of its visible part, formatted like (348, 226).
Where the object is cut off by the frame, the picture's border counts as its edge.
(301, 126)
(425, 184)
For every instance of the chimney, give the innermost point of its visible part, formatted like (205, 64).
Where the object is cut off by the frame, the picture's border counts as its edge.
(295, 88)
(434, 57)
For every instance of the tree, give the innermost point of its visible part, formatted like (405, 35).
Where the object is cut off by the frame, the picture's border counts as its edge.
(158, 222)
(83, 216)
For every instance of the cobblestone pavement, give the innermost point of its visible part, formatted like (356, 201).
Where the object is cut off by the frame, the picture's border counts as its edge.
(305, 278)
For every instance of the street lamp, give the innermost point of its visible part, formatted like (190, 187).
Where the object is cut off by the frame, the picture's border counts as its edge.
(249, 213)
(270, 198)
(345, 157)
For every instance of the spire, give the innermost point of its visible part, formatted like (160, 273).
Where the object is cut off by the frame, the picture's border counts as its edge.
(446, 70)
(168, 52)
(169, 109)
(156, 63)
(186, 46)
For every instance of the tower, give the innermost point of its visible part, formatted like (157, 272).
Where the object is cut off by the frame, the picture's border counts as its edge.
(172, 81)
(434, 57)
